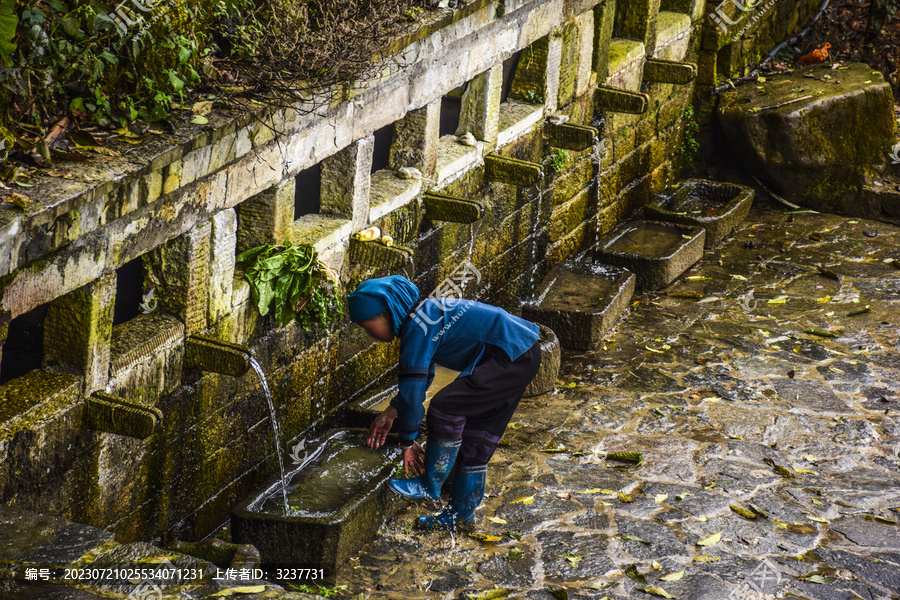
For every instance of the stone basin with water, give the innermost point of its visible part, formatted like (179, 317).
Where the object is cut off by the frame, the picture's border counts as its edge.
(581, 301)
(716, 206)
(655, 251)
(338, 499)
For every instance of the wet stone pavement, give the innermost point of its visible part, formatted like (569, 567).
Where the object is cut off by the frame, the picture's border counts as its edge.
(734, 404)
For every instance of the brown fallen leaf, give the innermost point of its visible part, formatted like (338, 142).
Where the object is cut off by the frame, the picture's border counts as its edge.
(827, 273)
(80, 138)
(20, 201)
(632, 572)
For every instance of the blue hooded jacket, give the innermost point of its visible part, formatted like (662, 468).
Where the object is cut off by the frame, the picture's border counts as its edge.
(450, 332)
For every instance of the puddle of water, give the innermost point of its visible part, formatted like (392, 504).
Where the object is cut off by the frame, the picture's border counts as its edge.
(647, 239)
(325, 484)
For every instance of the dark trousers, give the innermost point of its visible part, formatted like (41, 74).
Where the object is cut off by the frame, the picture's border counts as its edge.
(477, 408)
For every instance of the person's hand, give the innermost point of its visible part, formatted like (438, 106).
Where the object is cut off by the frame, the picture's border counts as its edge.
(380, 427)
(413, 458)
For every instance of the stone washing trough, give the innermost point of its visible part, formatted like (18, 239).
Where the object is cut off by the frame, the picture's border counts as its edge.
(545, 379)
(341, 493)
(716, 206)
(581, 301)
(655, 251)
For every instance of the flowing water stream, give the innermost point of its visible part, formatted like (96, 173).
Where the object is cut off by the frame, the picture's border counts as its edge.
(265, 386)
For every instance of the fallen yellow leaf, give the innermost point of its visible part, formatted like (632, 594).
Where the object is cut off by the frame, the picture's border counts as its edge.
(706, 558)
(673, 576)
(710, 539)
(656, 591)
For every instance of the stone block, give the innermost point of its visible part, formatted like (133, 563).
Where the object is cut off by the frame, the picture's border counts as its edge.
(415, 139)
(345, 182)
(267, 217)
(481, 106)
(78, 329)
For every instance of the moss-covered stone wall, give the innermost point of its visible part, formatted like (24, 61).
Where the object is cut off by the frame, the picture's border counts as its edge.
(187, 205)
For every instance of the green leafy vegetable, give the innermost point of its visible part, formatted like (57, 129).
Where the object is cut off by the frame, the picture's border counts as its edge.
(292, 283)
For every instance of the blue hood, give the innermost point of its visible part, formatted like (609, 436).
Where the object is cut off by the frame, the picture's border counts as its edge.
(395, 293)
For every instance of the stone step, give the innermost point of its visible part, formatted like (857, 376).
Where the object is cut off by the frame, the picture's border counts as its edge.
(581, 302)
(715, 206)
(657, 252)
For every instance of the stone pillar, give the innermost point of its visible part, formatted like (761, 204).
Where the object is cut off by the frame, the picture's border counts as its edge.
(179, 270)
(584, 53)
(604, 19)
(568, 64)
(78, 330)
(481, 106)
(636, 19)
(537, 74)
(345, 182)
(416, 138)
(551, 72)
(221, 264)
(267, 217)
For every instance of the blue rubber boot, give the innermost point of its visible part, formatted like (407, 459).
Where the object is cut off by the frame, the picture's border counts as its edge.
(467, 493)
(439, 458)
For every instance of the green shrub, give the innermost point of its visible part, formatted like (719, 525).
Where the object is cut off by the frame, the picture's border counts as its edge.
(559, 160)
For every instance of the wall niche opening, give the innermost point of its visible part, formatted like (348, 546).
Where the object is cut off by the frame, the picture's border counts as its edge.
(129, 291)
(451, 109)
(23, 350)
(381, 155)
(308, 191)
(509, 69)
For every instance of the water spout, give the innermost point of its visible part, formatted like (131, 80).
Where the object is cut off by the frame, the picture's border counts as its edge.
(215, 356)
(232, 359)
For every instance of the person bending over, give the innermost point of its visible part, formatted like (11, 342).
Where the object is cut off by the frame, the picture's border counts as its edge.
(497, 355)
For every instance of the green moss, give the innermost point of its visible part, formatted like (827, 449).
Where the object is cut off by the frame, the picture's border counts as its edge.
(690, 146)
(617, 54)
(829, 193)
